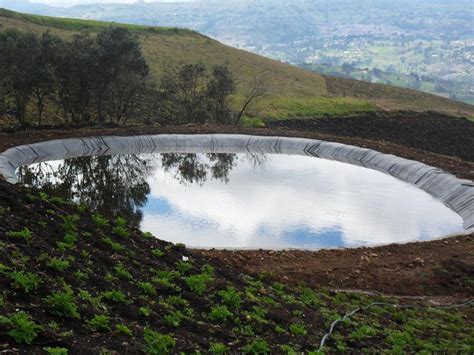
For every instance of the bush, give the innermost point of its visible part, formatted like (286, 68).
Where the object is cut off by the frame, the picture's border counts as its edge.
(157, 253)
(147, 288)
(218, 348)
(122, 272)
(230, 297)
(114, 296)
(298, 329)
(174, 318)
(63, 304)
(99, 220)
(27, 281)
(258, 346)
(158, 344)
(24, 329)
(197, 283)
(99, 323)
(121, 231)
(58, 264)
(220, 313)
(56, 351)
(25, 233)
(123, 329)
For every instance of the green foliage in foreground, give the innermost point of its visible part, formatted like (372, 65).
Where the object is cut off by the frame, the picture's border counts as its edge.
(158, 303)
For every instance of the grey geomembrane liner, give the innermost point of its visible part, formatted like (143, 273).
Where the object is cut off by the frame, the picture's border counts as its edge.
(455, 193)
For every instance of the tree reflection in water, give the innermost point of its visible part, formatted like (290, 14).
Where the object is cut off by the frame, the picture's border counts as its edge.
(117, 185)
(110, 185)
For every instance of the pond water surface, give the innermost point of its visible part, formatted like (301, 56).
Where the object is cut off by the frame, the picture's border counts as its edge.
(248, 200)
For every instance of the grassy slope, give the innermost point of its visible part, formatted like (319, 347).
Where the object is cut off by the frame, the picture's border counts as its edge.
(294, 92)
(72, 281)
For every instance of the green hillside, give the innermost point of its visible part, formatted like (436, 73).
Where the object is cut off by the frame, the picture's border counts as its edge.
(294, 92)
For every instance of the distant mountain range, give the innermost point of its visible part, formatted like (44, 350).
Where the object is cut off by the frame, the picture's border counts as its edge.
(425, 44)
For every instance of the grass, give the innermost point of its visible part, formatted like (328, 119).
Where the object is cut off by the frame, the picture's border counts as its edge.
(294, 107)
(70, 24)
(168, 48)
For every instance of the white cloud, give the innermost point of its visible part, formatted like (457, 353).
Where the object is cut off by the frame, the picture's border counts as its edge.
(255, 210)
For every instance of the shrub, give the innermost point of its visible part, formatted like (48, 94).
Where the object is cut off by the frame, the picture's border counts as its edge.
(363, 332)
(309, 297)
(183, 266)
(220, 313)
(197, 283)
(298, 329)
(24, 329)
(158, 253)
(27, 281)
(207, 269)
(99, 220)
(63, 304)
(230, 297)
(121, 222)
(148, 235)
(123, 329)
(258, 346)
(115, 246)
(121, 231)
(99, 323)
(122, 272)
(218, 348)
(58, 264)
(114, 296)
(144, 311)
(288, 350)
(56, 351)
(147, 288)
(158, 344)
(70, 222)
(69, 242)
(174, 318)
(25, 233)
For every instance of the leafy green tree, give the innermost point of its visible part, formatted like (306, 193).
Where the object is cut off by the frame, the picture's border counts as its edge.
(119, 73)
(183, 95)
(17, 59)
(75, 78)
(43, 76)
(219, 89)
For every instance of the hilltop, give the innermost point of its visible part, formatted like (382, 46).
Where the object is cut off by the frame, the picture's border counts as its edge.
(294, 92)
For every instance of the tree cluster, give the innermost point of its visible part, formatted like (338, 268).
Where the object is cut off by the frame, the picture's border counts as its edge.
(89, 79)
(195, 94)
(103, 79)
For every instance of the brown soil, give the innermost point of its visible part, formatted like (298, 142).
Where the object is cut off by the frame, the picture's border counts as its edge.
(436, 268)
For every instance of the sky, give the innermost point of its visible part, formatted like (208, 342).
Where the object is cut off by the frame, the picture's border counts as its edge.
(65, 3)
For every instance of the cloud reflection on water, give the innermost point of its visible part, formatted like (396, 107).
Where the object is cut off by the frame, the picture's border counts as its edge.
(293, 201)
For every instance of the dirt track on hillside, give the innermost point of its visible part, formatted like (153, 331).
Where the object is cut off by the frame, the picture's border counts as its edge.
(443, 268)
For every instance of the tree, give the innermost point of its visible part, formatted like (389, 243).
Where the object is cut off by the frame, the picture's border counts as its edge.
(75, 78)
(120, 70)
(17, 60)
(182, 95)
(219, 89)
(43, 76)
(255, 91)
(193, 94)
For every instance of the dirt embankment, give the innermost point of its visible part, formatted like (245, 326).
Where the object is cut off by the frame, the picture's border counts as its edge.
(436, 268)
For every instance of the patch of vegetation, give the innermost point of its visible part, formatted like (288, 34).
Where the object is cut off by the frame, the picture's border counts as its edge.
(23, 328)
(130, 300)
